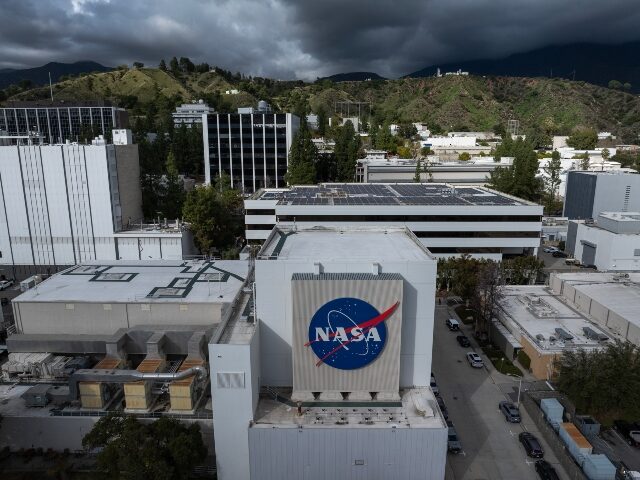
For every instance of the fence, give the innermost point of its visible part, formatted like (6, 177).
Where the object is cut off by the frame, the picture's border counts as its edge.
(570, 467)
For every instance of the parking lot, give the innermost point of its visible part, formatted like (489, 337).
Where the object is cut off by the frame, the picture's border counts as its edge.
(491, 450)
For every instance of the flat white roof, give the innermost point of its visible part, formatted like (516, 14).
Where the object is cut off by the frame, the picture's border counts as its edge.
(416, 409)
(143, 282)
(536, 311)
(617, 293)
(348, 244)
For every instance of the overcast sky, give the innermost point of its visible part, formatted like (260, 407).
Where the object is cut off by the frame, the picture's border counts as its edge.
(302, 38)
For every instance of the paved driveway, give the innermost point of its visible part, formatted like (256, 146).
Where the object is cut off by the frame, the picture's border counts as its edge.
(490, 444)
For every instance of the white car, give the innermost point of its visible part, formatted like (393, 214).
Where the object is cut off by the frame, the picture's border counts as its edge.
(474, 360)
(551, 250)
(4, 284)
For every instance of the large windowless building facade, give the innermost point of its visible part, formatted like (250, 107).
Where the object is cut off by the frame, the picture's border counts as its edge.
(252, 148)
(57, 123)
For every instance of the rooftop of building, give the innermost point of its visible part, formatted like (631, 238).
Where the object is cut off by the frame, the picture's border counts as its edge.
(57, 104)
(347, 244)
(621, 216)
(416, 409)
(545, 320)
(617, 292)
(603, 173)
(159, 281)
(440, 194)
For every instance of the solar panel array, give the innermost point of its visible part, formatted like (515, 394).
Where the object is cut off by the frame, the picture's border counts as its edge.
(388, 194)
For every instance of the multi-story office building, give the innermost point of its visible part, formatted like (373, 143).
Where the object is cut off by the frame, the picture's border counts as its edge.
(252, 148)
(59, 122)
(590, 193)
(449, 220)
(65, 204)
(190, 113)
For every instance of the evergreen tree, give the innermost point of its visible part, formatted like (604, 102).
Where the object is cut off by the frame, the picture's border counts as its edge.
(163, 65)
(174, 65)
(322, 121)
(520, 179)
(346, 152)
(554, 167)
(303, 156)
(416, 176)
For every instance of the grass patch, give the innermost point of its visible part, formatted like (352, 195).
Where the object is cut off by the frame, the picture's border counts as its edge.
(499, 361)
(467, 315)
(524, 359)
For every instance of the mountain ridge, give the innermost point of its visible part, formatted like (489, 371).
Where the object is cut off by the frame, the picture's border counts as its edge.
(40, 75)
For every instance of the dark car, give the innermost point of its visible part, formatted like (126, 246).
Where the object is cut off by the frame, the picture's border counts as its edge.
(463, 341)
(546, 471)
(510, 412)
(629, 431)
(559, 254)
(531, 445)
(443, 408)
(453, 443)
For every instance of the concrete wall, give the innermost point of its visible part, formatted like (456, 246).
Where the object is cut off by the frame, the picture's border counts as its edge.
(59, 433)
(274, 309)
(541, 363)
(129, 182)
(323, 453)
(104, 319)
(233, 408)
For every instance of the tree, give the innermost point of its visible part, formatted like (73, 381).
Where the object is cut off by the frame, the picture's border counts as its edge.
(615, 85)
(174, 66)
(584, 161)
(583, 139)
(605, 154)
(214, 213)
(173, 192)
(303, 157)
(552, 181)
(521, 270)
(186, 65)
(404, 152)
(407, 130)
(138, 65)
(346, 151)
(499, 130)
(464, 156)
(519, 179)
(626, 87)
(603, 381)
(487, 293)
(166, 449)
(416, 176)
(384, 140)
(322, 121)
(163, 65)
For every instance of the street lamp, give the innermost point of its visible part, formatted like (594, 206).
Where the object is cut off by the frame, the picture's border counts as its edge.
(519, 386)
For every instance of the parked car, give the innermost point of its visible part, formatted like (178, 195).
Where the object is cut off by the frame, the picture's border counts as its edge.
(463, 341)
(560, 254)
(546, 471)
(550, 249)
(474, 360)
(630, 431)
(443, 408)
(453, 444)
(572, 261)
(531, 445)
(510, 412)
(434, 386)
(4, 284)
(453, 324)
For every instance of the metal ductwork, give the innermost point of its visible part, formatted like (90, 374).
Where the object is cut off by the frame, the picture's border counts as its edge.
(125, 376)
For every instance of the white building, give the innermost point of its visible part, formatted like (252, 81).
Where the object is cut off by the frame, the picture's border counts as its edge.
(476, 171)
(66, 204)
(610, 300)
(190, 113)
(610, 243)
(366, 422)
(449, 220)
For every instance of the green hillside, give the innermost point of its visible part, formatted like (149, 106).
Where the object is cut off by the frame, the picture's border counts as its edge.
(452, 103)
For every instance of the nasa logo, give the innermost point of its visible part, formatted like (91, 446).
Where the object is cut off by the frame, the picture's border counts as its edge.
(348, 333)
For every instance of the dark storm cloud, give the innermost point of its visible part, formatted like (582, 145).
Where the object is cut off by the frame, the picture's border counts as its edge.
(302, 38)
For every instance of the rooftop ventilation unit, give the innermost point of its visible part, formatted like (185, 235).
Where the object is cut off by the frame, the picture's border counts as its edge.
(540, 337)
(564, 335)
(593, 335)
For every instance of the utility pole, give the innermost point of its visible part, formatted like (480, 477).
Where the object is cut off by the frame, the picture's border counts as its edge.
(50, 87)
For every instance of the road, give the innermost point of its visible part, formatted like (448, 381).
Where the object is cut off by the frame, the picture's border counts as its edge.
(490, 444)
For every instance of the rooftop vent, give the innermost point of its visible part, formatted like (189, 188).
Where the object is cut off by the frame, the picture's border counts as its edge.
(593, 335)
(564, 335)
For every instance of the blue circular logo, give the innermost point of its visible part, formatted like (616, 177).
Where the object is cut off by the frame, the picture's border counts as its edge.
(348, 333)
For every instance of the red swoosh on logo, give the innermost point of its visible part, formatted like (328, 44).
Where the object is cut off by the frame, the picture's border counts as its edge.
(368, 325)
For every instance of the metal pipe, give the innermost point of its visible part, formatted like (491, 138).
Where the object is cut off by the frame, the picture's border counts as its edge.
(126, 376)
